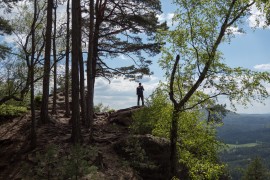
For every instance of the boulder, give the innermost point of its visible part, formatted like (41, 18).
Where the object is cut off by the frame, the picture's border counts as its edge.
(123, 116)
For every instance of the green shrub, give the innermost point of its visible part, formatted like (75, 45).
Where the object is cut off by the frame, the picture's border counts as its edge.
(45, 164)
(10, 111)
(102, 108)
(155, 116)
(143, 123)
(137, 155)
(38, 100)
(54, 164)
(197, 144)
(76, 164)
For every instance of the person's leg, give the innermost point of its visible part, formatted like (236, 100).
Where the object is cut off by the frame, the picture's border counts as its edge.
(138, 101)
(142, 100)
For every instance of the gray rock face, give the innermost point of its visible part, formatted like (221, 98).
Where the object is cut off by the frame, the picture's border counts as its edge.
(148, 154)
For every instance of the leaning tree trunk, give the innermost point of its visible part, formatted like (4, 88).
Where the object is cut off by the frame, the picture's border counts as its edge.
(75, 119)
(55, 62)
(46, 77)
(67, 107)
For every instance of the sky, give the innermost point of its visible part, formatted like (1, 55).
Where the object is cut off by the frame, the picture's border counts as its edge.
(249, 50)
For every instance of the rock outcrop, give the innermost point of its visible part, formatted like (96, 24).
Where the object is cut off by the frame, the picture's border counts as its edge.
(148, 154)
(123, 116)
(120, 154)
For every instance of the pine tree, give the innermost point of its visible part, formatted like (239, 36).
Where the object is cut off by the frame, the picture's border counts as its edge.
(67, 106)
(255, 170)
(76, 55)
(46, 76)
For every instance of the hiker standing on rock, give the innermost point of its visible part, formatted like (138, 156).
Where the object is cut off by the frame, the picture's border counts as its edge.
(140, 90)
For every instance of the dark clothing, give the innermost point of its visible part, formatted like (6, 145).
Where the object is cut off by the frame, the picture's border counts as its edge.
(140, 90)
(140, 97)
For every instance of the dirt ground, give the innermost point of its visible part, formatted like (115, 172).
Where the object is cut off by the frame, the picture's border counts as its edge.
(14, 144)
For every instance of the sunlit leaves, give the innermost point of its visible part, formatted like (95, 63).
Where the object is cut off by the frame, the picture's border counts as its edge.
(198, 33)
(197, 143)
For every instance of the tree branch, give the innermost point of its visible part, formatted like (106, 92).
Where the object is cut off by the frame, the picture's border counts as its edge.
(171, 93)
(204, 100)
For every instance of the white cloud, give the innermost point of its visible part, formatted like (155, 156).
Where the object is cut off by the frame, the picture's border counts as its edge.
(10, 38)
(254, 108)
(166, 17)
(262, 67)
(257, 18)
(234, 30)
(120, 92)
(123, 57)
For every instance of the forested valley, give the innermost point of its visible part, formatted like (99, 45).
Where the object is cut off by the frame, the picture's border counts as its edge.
(52, 52)
(247, 137)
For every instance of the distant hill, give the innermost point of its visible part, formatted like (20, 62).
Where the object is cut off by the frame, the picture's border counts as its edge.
(247, 136)
(245, 128)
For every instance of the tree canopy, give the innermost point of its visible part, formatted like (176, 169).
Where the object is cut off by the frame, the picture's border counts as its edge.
(125, 28)
(198, 71)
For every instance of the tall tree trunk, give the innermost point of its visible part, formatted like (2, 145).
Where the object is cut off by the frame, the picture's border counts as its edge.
(82, 86)
(55, 62)
(25, 90)
(173, 141)
(99, 11)
(67, 107)
(100, 7)
(33, 115)
(95, 38)
(90, 75)
(46, 77)
(174, 125)
(82, 91)
(8, 82)
(76, 131)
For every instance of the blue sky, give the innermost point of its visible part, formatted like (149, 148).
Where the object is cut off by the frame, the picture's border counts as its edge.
(249, 50)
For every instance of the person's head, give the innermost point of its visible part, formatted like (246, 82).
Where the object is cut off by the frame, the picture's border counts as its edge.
(140, 84)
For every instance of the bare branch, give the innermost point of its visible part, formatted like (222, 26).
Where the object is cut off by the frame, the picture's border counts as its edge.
(171, 93)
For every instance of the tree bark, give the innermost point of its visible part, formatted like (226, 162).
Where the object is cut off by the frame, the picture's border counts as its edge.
(46, 78)
(55, 61)
(82, 91)
(99, 17)
(75, 119)
(100, 7)
(32, 88)
(90, 75)
(82, 86)
(67, 107)
(9, 97)
(173, 141)
(174, 124)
